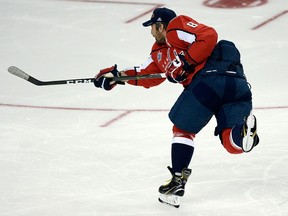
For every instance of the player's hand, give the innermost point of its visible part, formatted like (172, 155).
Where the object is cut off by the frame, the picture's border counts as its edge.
(104, 79)
(178, 69)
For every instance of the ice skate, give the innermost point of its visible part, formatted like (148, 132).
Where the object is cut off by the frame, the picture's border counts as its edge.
(174, 189)
(249, 133)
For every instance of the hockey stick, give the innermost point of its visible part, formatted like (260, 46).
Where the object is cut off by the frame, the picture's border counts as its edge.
(20, 73)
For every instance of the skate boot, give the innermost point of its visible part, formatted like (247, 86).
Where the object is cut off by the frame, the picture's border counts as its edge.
(172, 190)
(249, 133)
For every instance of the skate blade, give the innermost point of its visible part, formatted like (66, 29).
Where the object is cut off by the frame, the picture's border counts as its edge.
(171, 200)
(248, 139)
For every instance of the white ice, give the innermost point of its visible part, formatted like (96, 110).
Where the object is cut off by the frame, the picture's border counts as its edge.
(74, 150)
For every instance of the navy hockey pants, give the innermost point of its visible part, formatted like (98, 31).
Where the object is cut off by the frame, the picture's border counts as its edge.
(227, 97)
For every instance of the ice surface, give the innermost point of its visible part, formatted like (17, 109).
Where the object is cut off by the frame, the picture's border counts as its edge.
(77, 150)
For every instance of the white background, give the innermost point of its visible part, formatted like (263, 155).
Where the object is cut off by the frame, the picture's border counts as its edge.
(77, 150)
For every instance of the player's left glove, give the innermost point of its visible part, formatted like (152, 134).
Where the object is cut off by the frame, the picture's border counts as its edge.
(104, 79)
(178, 69)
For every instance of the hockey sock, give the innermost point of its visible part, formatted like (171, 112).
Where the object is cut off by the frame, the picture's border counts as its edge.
(181, 156)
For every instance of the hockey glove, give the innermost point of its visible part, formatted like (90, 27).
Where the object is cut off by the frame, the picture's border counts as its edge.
(178, 69)
(104, 79)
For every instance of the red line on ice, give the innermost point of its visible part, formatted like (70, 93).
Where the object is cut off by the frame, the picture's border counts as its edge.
(110, 109)
(117, 118)
(270, 20)
(155, 5)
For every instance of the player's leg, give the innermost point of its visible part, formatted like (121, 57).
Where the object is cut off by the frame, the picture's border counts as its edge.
(235, 123)
(189, 117)
(182, 149)
(181, 155)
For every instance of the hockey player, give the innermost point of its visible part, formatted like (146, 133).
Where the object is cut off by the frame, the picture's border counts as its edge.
(214, 84)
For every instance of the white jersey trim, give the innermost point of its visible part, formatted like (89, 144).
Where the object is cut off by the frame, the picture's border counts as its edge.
(142, 66)
(189, 38)
(148, 62)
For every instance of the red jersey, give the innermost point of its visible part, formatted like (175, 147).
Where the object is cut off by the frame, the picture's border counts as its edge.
(195, 39)
(183, 34)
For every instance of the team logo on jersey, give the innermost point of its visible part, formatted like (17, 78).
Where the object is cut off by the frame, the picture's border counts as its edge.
(234, 3)
(159, 56)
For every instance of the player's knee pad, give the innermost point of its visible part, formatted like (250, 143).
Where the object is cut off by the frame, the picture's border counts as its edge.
(177, 132)
(228, 142)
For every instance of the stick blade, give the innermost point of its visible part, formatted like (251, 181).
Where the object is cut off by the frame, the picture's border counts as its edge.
(18, 72)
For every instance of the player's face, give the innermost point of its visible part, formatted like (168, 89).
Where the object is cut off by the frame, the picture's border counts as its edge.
(158, 34)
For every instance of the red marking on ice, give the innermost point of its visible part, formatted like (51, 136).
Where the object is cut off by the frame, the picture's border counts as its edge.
(144, 13)
(270, 20)
(116, 118)
(155, 5)
(119, 117)
(230, 4)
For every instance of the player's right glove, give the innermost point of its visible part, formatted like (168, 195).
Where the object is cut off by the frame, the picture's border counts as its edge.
(104, 79)
(178, 69)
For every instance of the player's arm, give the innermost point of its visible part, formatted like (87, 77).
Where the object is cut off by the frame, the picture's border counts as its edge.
(191, 45)
(196, 39)
(149, 67)
(104, 79)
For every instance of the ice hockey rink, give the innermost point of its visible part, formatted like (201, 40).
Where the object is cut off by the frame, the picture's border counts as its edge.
(74, 150)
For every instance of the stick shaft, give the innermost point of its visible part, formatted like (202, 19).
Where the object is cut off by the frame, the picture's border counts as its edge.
(20, 73)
